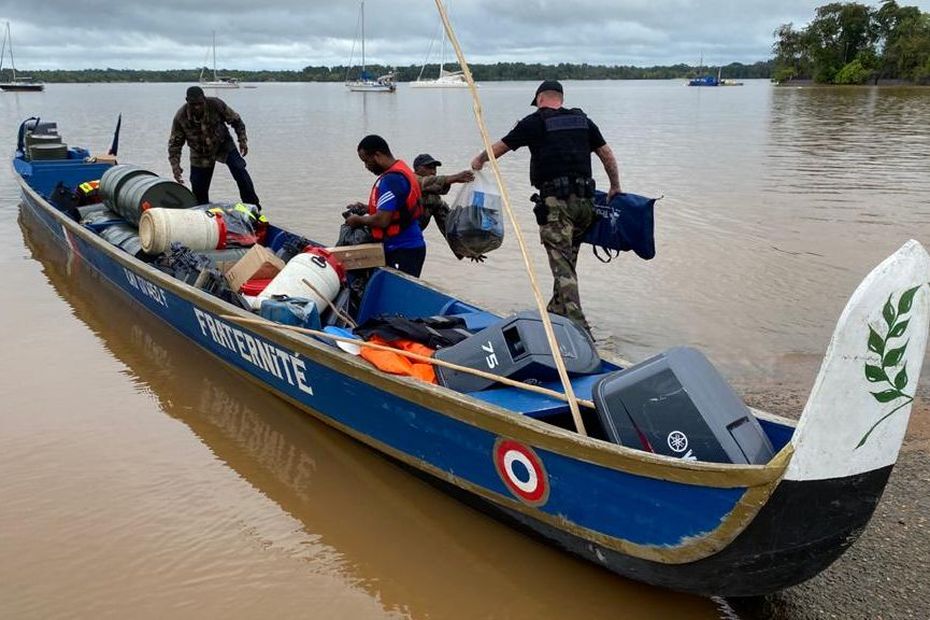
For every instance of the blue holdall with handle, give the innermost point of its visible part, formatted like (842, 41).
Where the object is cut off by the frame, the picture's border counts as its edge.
(625, 224)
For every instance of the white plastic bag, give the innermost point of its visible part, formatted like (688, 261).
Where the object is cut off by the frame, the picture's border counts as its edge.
(475, 225)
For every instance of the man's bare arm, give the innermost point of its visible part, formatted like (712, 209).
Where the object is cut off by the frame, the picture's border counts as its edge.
(610, 167)
(499, 149)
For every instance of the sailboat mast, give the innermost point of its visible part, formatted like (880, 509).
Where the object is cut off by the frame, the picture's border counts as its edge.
(363, 39)
(3, 50)
(442, 53)
(214, 57)
(9, 36)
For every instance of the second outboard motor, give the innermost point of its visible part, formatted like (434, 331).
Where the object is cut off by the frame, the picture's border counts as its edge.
(677, 404)
(517, 348)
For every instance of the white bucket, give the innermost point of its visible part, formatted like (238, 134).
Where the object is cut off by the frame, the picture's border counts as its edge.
(310, 267)
(159, 228)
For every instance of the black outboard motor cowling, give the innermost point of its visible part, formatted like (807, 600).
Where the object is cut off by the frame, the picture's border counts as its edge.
(677, 404)
(517, 348)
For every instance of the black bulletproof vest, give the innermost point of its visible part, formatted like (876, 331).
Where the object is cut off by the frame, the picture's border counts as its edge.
(565, 150)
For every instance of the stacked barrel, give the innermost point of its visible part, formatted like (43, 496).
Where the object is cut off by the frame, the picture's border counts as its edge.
(131, 190)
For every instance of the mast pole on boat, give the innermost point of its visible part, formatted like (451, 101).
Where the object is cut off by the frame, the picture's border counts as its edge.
(9, 36)
(214, 56)
(442, 53)
(363, 39)
(3, 49)
(505, 198)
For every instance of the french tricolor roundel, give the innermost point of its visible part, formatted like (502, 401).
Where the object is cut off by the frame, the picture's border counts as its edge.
(522, 471)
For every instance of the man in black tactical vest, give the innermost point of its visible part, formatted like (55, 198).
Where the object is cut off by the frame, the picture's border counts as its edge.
(561, 141)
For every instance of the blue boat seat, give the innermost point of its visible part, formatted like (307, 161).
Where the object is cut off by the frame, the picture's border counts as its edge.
(389, 293)
(537, 405)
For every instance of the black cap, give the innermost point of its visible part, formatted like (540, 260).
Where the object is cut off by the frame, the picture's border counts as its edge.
(425, 159)
(194, 93)
(547, 85)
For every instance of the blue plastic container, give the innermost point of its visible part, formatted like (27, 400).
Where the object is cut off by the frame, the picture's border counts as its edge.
(291, 311)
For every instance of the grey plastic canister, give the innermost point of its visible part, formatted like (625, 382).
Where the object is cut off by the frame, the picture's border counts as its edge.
(115, 177)
(141, 193)
(124, 237)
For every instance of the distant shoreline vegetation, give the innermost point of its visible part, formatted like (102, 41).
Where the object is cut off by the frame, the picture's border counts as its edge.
(503, 71)
(851, 43)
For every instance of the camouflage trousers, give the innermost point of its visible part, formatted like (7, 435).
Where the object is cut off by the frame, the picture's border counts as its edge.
(566, 222)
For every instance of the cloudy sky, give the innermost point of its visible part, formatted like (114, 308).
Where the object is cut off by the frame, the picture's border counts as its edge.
(290, 34)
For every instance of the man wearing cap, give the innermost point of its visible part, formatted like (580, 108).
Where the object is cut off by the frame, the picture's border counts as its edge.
(201, 123)
(561, 141)
(433, 186)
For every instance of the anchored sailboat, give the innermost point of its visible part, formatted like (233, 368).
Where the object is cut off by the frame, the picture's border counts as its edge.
(367, 83)
(446, 79)
(217, 81)
(22, 82)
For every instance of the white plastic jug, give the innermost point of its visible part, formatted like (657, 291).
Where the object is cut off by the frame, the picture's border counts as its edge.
(310, 267)
(159, 228)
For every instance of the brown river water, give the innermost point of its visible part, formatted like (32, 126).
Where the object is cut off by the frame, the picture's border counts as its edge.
(143, 479)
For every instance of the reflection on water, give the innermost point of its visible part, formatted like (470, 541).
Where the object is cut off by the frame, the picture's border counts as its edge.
(361, 519)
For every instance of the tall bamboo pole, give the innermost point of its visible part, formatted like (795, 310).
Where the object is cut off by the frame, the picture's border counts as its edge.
(540, 304)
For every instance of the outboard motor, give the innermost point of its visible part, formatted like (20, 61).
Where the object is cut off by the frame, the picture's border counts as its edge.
(517, 348)
(677, 404)
(33, 125)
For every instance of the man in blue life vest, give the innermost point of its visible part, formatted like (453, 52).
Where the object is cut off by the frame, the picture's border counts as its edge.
(561, 141)
(394, 207)
(201, 123)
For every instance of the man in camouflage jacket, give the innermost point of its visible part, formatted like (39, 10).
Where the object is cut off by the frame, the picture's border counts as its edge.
(433, 187)
(201, 123)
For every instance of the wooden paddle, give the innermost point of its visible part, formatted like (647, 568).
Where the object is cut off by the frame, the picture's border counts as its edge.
(414, 356)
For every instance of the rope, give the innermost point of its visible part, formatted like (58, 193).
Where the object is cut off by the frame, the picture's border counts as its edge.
(540, 304)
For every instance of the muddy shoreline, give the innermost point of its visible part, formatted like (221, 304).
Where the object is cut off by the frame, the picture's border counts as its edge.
(886, 573)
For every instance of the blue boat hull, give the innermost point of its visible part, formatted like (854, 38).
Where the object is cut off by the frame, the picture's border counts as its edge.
(697, 527)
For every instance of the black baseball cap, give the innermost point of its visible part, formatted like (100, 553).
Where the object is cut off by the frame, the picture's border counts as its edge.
(425, 159)
(194, 93)
(547, 85)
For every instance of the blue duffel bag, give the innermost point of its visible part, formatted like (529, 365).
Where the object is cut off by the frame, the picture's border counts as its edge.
(625, 224)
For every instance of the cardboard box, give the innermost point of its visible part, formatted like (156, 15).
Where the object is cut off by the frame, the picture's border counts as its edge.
(103, 159)
(259, 262)
(360, 256)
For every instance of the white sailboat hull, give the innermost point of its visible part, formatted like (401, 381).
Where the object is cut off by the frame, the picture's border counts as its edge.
(219, 85)
(370, 87)
(440, 83)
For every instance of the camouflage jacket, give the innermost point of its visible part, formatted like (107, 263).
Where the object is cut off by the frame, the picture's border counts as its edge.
(207, 138)
(432, 189)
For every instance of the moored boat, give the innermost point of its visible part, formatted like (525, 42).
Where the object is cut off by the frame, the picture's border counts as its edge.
(697, 526)
(16, 83)
(366, 82)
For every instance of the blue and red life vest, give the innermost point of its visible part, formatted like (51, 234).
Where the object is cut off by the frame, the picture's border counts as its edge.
(411, 210)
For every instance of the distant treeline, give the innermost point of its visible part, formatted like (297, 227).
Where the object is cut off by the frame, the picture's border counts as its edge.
(483, 73)
(851, 43)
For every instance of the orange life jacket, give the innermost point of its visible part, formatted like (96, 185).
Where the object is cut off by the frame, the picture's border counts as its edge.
(397, 364)
(403, 217)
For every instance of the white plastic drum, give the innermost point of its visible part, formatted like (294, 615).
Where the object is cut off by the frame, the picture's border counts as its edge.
(310, 267)
(196, 229)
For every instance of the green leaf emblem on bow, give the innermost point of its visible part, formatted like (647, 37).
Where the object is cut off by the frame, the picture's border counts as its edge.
(890, 356)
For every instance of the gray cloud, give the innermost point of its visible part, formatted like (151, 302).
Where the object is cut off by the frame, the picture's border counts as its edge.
(290, 34)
